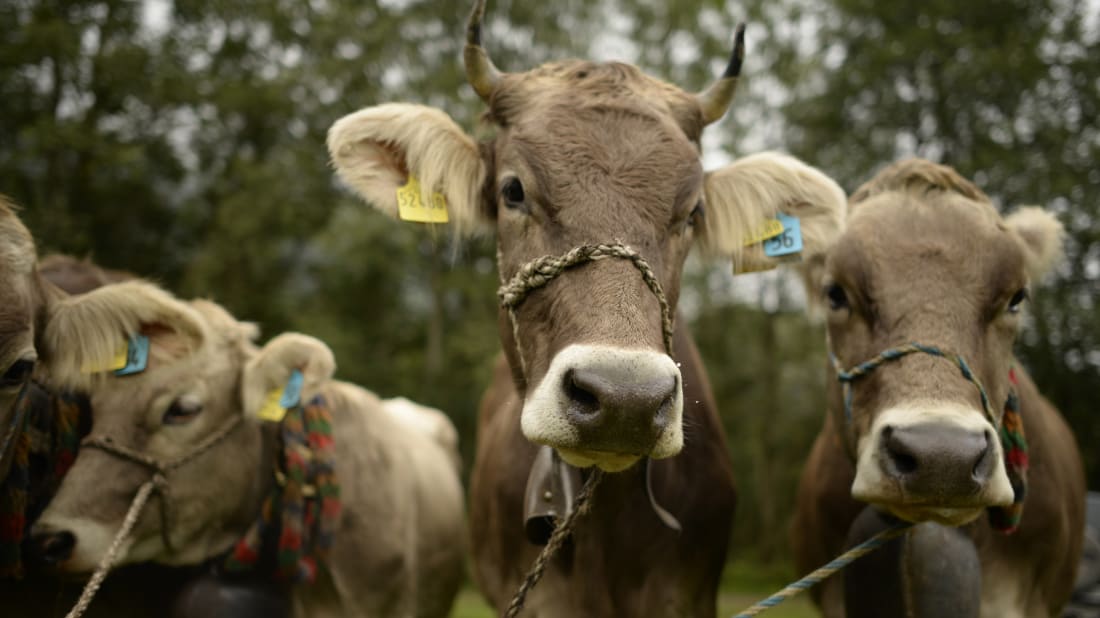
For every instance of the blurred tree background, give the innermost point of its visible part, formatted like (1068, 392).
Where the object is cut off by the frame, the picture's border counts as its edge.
(184, 141)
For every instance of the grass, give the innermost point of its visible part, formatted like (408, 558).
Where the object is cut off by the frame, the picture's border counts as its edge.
(742, 585)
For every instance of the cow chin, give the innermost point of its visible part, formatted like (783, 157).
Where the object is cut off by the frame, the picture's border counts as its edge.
(607, 406)
(932, 461)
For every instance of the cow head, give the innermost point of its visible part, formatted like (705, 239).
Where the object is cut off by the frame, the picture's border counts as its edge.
(202, 372)
(926, 258)
(22, 306)
(587, 153)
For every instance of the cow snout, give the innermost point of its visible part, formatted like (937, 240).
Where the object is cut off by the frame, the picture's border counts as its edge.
(937, 461)
(625, 416)
(53, 548)
(607, 406)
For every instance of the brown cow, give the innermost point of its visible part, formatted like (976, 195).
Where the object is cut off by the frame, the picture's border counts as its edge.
(32, 419)
(601, 158)
(927, 259)
(397, 547)
(77, 276)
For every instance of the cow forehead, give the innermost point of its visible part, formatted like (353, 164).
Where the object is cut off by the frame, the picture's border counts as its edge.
(578, 84)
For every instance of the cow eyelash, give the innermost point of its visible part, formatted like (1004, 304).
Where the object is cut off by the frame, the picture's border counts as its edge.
(836, 297)
(1016, 302)
(696, 214)
(17, 373)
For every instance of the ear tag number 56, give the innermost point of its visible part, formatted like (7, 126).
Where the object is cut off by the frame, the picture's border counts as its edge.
(790, 241)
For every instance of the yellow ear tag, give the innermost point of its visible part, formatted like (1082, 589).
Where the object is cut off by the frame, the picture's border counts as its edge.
(118, 361)
(770, 229)
(411, 208)
(271, 410)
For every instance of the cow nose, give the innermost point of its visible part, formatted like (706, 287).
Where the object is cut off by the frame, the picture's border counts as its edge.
(933, 460)
(53, 548)
(617, 414)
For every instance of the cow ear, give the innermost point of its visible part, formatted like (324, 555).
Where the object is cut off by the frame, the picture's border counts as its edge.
(271, 369)
(742, 197)
(85, 333)
(375, 149)
(1042, 235)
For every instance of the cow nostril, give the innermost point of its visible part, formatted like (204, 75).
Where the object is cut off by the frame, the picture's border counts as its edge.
(901, 456)
(580, 394)
(56, 547)
(983, 464)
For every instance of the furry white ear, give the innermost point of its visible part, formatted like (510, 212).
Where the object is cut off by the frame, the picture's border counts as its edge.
(375, 149)
(744, 195)
(85, 332)
(271, 369)
(1042, 235)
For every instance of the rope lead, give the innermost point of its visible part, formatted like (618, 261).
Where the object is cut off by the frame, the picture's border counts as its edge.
(823, 573)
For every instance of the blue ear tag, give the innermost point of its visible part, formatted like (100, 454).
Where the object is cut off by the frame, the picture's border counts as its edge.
(293, 391)
(790, 241)
(137, 356)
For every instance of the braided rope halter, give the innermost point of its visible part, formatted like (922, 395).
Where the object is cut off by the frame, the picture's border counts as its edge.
(532, 276)
(158, 483)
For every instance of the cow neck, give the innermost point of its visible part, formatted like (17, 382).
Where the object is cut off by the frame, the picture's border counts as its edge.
(1010, 427)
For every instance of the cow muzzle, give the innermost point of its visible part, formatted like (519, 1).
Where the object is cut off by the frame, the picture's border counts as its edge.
(607, 406)
(932, 462)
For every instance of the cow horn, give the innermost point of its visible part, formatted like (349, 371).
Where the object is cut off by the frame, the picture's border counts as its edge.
(480, 71)
(715, 100)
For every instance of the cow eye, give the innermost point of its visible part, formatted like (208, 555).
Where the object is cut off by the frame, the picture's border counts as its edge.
(696, 215)
(836, 297)
(512, 192)
(1017, 300)
(182, 411)
(18, 373)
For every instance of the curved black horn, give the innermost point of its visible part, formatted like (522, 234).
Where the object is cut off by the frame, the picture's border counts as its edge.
(716, 99)
(480, 71)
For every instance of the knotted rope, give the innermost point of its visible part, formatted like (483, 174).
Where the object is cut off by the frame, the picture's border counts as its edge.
(540, 271)
(532, 276)
(557, 539)
(822, 573)
(304, 506)
(158, 483)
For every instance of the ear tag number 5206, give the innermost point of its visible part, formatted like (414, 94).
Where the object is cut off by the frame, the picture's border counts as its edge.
(790, 241)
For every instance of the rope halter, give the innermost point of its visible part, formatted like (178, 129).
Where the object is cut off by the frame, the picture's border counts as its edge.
(541, 271)
(161, 469)
(847, 377)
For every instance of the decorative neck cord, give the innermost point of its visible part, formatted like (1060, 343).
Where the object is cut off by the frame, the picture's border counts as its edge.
(532, 276)
(42, 448)
(303, 508)
(1010, 429)
(158, 483)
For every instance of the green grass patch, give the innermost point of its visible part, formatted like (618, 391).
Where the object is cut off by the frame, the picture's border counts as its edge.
(743, 584)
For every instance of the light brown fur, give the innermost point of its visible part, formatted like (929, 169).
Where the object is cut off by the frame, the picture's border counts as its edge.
(395, 552)
(926, 258)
